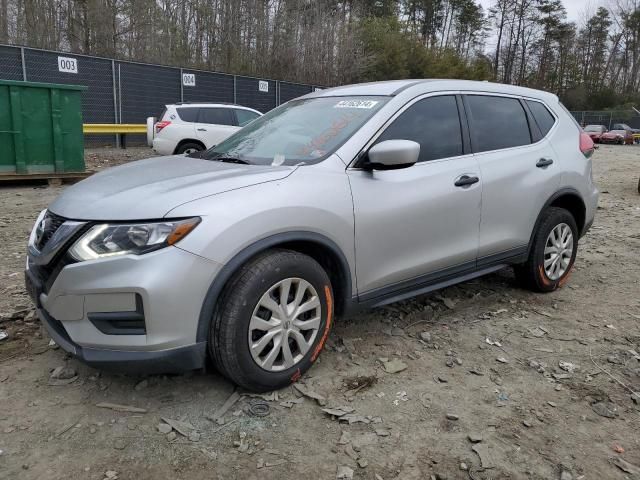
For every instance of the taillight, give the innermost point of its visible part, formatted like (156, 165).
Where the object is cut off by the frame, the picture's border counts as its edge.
(161, 125)
(586, 145)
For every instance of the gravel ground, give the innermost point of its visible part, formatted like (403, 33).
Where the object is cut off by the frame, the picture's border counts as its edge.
(499, 383)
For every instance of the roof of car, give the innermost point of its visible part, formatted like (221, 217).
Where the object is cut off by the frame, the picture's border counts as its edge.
(418, 86)
(210, 104)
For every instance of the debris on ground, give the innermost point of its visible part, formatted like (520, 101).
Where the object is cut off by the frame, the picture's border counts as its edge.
(344, 473)
(625, 466)
(566, 475)
(292, 402)
(487, 458)
(259, 408)
(164, 428)
(309, 393)
(605, 409)
(242, 444)
(394, 365)
(183, 428)
(3, 335)
(121, 408)
(338, 411)
(218, 415)
(62, 375)
(345, 438)
(568, 366)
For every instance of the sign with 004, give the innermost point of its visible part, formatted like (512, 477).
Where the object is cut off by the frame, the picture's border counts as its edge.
(189, 79)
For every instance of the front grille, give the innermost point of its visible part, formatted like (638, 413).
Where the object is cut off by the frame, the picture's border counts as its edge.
(48, 226)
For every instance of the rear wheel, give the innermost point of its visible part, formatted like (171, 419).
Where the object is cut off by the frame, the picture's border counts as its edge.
(553, 252)
(189, 147)
(272, 320)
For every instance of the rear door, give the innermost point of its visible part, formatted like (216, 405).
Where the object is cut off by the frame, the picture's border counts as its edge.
(214, 125)
(519, 169)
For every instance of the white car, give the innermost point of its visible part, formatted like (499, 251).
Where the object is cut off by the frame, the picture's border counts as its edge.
(192, 127)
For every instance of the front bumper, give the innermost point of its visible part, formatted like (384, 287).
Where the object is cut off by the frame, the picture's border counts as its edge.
(169, 286)
(174, 360)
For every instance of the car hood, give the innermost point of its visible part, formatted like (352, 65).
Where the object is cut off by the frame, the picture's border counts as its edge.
(148, 189)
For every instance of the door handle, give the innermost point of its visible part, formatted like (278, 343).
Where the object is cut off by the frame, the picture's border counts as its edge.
(466, 180)
(202, 129)
(544, 162)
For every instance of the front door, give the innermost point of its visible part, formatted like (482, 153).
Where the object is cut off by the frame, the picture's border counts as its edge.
(415, 224)
(215, 125)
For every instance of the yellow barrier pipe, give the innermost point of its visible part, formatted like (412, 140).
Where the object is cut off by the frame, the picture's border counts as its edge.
(119, 128)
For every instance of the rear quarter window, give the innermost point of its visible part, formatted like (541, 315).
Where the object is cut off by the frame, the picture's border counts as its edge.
(542, 116)
(188, 114)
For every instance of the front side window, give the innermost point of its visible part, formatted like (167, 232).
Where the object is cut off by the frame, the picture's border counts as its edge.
(216, 116)
(245, 116)
(434, 123)
(542, 116)
(497, 122)
(300, 131)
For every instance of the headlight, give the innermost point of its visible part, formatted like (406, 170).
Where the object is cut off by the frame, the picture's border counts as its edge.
(108, 240)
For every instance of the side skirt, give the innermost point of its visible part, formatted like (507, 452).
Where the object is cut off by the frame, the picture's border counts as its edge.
(438, 280)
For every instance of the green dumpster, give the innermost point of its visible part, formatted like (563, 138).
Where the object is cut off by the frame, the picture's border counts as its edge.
(40, 128)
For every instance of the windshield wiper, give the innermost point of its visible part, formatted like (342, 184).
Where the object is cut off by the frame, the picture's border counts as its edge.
(222, 158)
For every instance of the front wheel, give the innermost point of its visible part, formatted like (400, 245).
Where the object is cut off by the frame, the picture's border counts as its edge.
(553, 252)
(272, 320)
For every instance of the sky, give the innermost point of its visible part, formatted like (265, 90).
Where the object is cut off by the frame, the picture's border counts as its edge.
(575, 8)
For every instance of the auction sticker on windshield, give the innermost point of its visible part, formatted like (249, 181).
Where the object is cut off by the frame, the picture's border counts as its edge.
(356, 104)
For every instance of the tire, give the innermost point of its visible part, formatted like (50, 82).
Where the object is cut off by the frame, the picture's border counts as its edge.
(533, 274)
(259, 283)
(189, 147)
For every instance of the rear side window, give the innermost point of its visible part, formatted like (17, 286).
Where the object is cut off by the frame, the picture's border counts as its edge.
(497, 122)
(216, 116)
(188, 114)
(245, 116)
(542, 116)
(434, 123)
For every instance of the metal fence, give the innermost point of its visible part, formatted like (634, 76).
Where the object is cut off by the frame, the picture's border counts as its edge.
(608, 118)
(129, 92)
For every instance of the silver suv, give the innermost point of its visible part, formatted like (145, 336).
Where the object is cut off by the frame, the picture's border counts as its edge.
(346, 198)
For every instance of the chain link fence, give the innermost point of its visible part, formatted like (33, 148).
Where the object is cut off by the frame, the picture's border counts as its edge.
(129, 92)
(608, 118)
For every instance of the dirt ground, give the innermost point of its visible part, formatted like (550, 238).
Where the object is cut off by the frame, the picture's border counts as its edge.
(500, 383)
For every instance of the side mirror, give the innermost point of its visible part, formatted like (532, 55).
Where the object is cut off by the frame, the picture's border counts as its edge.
(393, 154)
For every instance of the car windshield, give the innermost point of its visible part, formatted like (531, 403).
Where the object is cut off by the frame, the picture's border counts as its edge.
(593, 128)
(618, 132)
(300, 131)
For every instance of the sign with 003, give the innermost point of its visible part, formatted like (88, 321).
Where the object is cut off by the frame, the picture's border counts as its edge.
(67, 65)
(263, 86)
